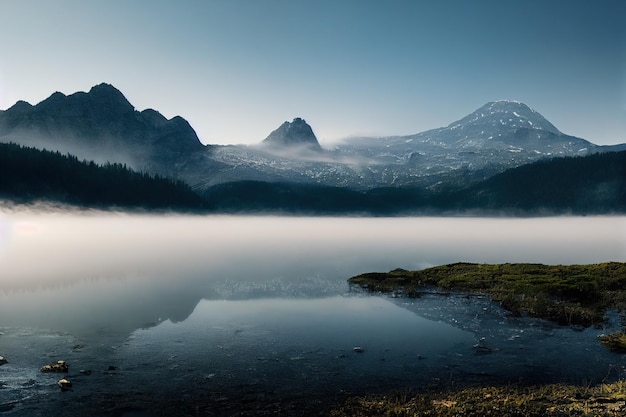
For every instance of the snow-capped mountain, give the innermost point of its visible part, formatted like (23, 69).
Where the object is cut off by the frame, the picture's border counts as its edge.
(102, 125)
(497, 136)
(504, 114)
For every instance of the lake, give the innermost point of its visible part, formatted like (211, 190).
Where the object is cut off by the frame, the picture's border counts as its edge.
(224, 311)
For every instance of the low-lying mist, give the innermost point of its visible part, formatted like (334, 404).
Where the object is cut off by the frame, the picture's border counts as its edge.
(97, 270)
(59, 247)
(306, 154)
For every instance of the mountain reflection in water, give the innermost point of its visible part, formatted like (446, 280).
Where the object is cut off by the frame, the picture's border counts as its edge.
(100, 272)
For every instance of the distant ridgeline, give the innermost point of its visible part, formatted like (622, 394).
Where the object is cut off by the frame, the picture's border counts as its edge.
(28, 174)
(456, 169)
(593, 184)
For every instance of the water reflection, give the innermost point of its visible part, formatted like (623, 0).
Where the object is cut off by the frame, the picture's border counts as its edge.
(101, 272)
(522, 349)
(234, 306)
(275, 342)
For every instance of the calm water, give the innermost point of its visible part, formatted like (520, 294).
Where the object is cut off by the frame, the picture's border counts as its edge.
(258, 307)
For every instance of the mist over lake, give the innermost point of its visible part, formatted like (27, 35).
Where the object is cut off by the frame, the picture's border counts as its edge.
(264, 301)
(122, 271)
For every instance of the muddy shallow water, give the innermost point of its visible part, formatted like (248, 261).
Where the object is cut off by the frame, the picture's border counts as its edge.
(219, 314)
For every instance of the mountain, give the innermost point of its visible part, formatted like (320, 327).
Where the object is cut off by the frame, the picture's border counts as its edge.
(502, 116)
(498, 136)
(100, 125)
(506, 125)
(297, 134)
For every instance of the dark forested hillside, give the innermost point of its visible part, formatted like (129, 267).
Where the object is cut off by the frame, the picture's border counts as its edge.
(258, 196)
(309, 199)
(28, 174)
(594, 184)
(580, 185)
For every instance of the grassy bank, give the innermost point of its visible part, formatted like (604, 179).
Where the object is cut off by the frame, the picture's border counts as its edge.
(566, 294)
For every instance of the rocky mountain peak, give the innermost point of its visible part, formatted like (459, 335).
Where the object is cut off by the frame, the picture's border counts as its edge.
(110, 97)
(297, 133)
(99, 122)
(505, 115)
(101, 102)
(20, 107)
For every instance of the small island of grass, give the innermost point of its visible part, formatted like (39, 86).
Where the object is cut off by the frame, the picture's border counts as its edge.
(566, 294)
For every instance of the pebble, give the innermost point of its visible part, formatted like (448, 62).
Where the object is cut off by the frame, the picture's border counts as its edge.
(64, 384)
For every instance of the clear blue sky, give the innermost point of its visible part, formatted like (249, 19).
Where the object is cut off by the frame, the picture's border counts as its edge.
(236, 69)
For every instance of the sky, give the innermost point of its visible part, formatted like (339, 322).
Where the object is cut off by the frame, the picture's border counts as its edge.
(237, 69)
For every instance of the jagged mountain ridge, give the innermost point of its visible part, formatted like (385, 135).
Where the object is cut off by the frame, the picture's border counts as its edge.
(102, 125)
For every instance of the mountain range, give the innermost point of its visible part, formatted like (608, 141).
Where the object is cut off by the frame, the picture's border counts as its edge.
(101, 125)
(496, 137)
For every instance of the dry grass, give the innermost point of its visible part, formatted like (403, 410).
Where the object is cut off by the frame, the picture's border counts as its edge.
(530, 401)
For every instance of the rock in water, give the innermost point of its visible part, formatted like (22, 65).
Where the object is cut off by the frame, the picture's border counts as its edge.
(64, 384)
(58, 366)
(3, 361)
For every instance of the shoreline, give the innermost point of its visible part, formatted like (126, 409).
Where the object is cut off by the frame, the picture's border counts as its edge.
(575, 295)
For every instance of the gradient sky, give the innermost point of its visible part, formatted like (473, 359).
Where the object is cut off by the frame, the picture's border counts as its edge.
(237, 69)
